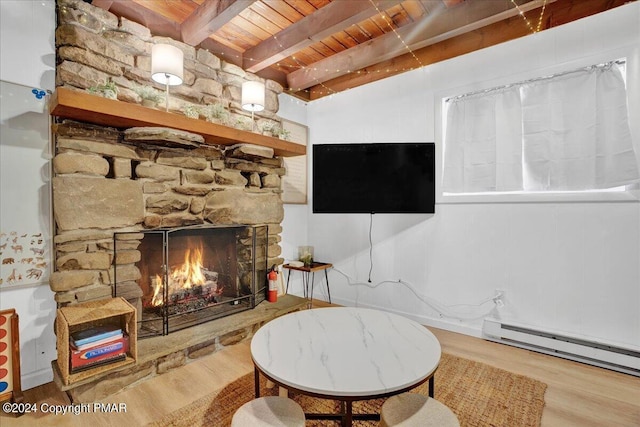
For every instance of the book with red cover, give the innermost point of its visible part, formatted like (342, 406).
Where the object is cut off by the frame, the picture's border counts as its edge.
(99, 353)
(112, 359)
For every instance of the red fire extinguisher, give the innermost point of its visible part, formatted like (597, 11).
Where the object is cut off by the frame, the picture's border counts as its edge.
(272, 292)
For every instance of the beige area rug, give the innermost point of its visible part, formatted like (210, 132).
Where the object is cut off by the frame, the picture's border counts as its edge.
(479, 394)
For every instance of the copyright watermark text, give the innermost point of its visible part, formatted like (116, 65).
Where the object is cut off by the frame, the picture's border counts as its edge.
(75, 409)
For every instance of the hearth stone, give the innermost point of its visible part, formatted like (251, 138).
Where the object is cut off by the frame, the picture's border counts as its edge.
(161, 354)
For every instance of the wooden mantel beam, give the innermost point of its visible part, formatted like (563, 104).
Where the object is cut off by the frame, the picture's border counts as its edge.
(209, 17)
(328, 20)
(78, 105)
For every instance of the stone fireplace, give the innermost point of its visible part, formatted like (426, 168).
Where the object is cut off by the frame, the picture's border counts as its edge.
(131, 205)
(111, 196)
(191, 275)
(110, 180)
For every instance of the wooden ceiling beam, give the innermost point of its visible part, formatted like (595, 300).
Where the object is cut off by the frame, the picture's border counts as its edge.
(328, 20)
(223, 52)
(450, 3)
(560, 12)
(569, 10)
(464, 43)
(156, 23)
(209, 17)
(434, 28)
(275, 75)
(102, 4)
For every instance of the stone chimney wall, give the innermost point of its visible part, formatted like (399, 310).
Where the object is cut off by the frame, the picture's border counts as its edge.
(95, 46)
(108, 180)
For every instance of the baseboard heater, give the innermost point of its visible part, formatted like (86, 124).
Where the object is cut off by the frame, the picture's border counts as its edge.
(598, 353)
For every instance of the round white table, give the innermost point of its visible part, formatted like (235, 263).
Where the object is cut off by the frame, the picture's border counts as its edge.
(345, 353)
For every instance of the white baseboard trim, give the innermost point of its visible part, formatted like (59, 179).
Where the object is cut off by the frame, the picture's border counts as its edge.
(36, 378)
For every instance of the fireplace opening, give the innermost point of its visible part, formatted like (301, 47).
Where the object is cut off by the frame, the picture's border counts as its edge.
(182, 277)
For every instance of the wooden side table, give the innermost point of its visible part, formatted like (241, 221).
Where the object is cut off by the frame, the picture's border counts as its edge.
(309, 272)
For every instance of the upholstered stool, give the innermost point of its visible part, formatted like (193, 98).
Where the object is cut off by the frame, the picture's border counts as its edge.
(269, 411)
(411, 409)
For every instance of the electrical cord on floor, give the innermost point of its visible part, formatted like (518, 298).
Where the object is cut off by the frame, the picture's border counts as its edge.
(442, 309)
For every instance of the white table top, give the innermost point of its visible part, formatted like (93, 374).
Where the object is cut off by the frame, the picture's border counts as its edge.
(345, 351)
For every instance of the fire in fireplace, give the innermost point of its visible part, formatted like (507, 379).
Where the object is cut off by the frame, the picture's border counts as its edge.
(182, 277)
(189, 284)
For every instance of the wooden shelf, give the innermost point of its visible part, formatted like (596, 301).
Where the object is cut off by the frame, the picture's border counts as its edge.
(82, 106)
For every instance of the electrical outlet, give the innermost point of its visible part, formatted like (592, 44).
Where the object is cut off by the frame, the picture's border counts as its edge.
(499, 299)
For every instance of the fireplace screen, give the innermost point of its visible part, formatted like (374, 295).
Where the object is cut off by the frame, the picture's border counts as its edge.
(187, 276)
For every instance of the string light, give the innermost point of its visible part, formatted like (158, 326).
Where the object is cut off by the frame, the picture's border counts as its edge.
(303, 67)
(544, 6)
(323, 90)
(526, 20)
(387, 19)
(383, 15)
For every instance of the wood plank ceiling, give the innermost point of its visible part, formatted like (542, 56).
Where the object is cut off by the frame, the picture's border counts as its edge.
(316, 48)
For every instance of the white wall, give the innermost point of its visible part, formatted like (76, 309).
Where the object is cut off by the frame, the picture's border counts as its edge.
(27, 42)
(294, 225)
(570, 266)
(28, 58)
(567, 264)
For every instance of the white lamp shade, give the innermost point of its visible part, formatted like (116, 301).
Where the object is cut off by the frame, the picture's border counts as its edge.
(166, 64)
(253, 96)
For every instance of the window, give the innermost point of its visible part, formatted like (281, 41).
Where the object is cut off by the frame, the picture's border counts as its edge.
(567, 132)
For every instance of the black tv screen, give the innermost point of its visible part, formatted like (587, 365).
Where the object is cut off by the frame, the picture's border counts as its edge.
(374, 178)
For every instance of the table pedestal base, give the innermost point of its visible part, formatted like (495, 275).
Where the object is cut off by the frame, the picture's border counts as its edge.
(346, 416)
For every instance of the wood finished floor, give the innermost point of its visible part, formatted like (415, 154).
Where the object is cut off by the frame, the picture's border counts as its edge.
(577, 395)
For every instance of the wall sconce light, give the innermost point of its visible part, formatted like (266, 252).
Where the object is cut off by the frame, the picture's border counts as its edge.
(167, 67)
(253, 98)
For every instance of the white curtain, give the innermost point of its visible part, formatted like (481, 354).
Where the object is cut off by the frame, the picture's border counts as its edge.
(564, 133)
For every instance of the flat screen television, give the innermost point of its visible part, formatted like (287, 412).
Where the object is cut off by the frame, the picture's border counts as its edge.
(374, 178)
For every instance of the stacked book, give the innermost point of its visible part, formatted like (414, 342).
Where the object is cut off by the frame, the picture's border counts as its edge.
(97, 346)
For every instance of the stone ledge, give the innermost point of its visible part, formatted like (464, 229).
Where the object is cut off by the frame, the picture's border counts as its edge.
(158, 355)
(156, 347)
